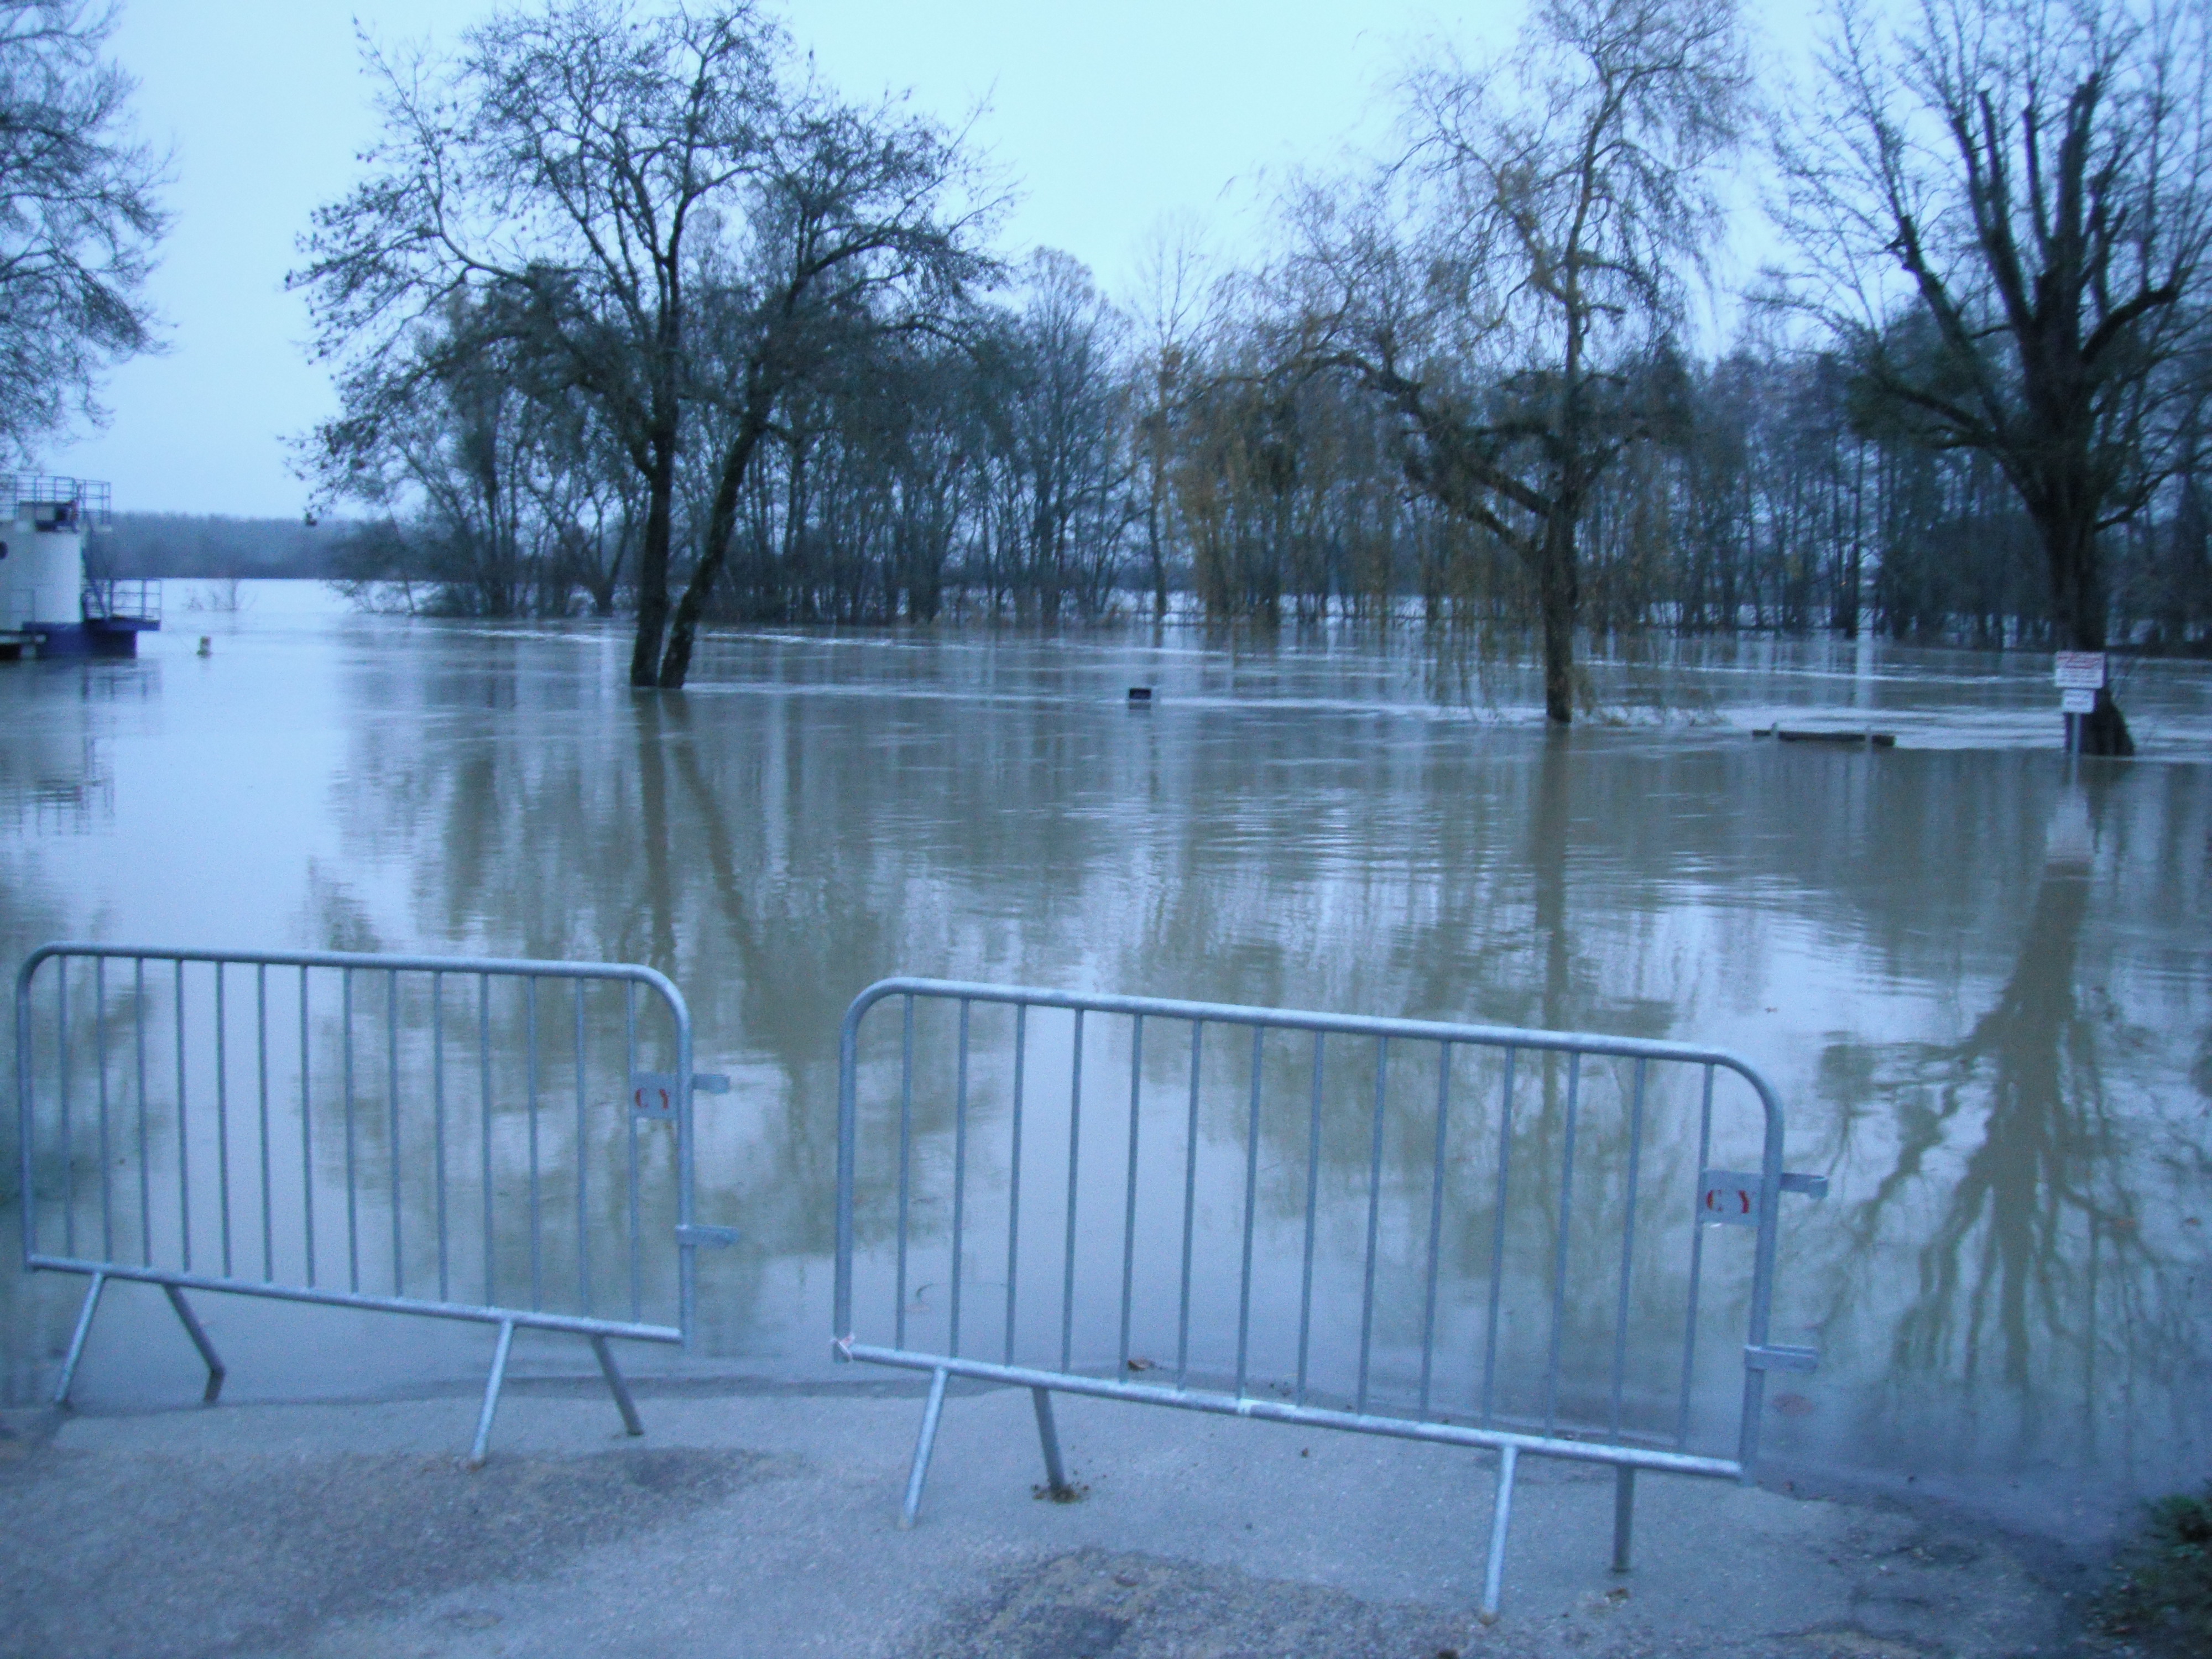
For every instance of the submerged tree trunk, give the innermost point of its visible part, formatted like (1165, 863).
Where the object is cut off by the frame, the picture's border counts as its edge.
(721, 527)
(1559, 595)
(653, 565)
(2078, 606)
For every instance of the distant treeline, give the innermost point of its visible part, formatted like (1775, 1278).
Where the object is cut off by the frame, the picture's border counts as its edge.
(215, 545)
(629, 309)
(1065, 462)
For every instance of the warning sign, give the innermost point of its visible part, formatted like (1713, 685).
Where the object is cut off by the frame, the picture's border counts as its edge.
(2078, 671)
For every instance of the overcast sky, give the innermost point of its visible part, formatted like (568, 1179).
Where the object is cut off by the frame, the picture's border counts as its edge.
(1109, 117)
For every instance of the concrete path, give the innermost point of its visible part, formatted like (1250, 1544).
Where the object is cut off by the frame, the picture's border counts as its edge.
(760, 1521)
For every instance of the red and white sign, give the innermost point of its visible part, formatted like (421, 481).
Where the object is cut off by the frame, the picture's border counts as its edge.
(1730, 1198)
(2078, 671)
(653, 1095)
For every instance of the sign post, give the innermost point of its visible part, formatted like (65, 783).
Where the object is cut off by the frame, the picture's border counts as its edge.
(2079, 675)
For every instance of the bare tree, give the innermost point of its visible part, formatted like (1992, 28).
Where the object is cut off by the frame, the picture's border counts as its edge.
(78, 217)
(2029, 180)
(1510, 285)
(1172, 290)
(856, 226)
(568, 157)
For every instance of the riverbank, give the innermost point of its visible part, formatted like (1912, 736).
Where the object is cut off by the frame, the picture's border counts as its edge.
(758, 1519)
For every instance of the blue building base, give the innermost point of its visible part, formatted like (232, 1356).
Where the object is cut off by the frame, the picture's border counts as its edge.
(116, 636)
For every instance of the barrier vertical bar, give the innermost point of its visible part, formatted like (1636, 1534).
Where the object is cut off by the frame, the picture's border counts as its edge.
(223, 1114)
(1313, 1206)
(1074, 1153)
(1697, 1262)
(1498, 1240)
(1251, 1199)
(1374, 1221)
(686, 1183)
(353, 1195)
(636, 1226)
(848, 1065)
(438, 1131)
(1560, 1264)
(1189, 1209)
(391, 1113)
(1628, 1249)
(1014, 1171)
(107, 1148)
(537, 1208)
(261, 1081)
(28, 1116)
(1762, 1281)
(906, 1159)
(307, 1136)
(145, 1160)
(959, 1175)
(184, 1134)
(484, 1103)
(26, 1113)
(1129, 1204)
(583, 1164)
(1436, 1224)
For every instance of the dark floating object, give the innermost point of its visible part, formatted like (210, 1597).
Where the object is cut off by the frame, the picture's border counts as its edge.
(1141, 693)
(1786, 734)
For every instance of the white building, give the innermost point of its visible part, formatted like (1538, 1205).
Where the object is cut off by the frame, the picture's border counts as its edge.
(49, 606)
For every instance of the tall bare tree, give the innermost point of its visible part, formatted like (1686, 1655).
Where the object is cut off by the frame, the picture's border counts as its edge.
(568, 158)
(1171, 290)
(1508, 286)
(2031, 181)
(856, 226)
(79, 217)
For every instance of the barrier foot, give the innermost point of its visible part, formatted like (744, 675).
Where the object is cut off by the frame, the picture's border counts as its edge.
(1501, 1516)
(1054, 1474)
(912, 1508)
(616, 1386)
(1624, 1513)
(492, 1384)
(186, 1317)
(77, 1341)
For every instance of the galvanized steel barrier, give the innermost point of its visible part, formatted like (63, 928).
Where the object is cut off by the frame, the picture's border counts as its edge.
(448, 1137)
(1465, 1235)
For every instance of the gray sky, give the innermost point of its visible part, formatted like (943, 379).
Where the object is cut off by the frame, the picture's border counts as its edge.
(1109, 120)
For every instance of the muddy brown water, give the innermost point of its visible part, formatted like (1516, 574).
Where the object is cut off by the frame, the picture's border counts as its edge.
(1976, 972)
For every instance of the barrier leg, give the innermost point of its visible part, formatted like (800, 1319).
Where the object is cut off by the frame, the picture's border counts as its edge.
(199, 1336)
(1624, 1513)
(620, 1389)
(491, 1393)
(77, 1341)
(1048, 1433)
(922, 1448)
(1501, 1516)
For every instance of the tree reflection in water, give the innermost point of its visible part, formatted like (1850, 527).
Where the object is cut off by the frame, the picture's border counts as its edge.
(2051, 1289)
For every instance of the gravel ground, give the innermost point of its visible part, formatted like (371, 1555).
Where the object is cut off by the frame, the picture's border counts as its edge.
(759, 1520)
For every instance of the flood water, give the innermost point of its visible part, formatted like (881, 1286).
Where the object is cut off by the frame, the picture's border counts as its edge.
(1976, 973)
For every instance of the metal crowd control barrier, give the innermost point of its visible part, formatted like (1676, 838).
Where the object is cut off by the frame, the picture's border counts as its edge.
(1465, 1235)
(451, 1137)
